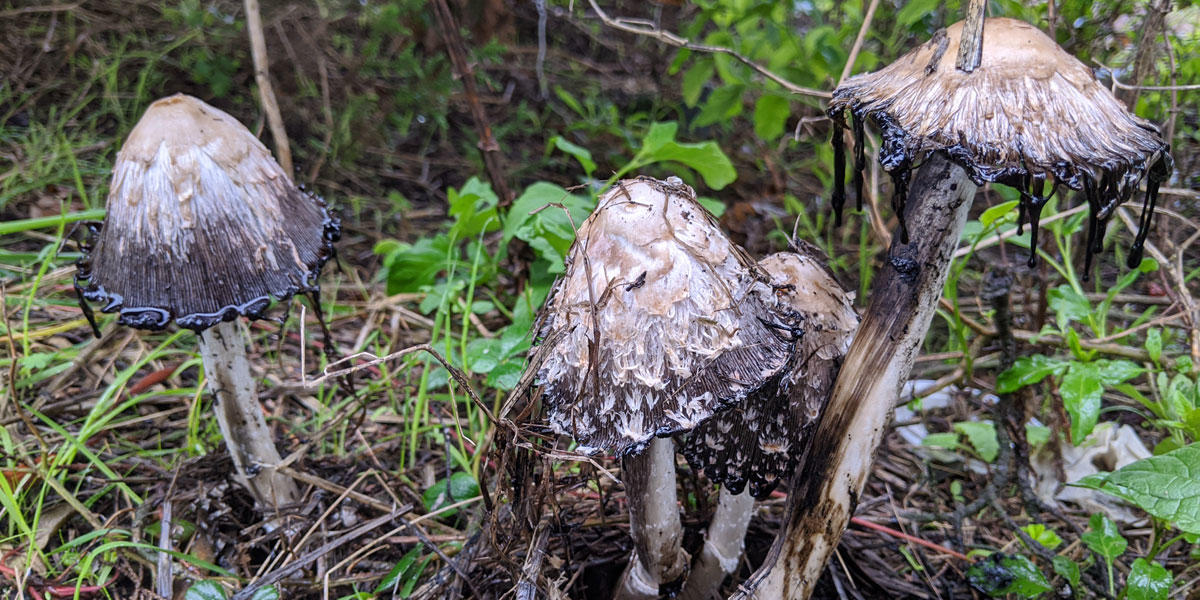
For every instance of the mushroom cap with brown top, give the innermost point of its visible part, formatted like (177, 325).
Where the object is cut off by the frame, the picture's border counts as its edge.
(659, 322)
(759, 441)
(1030, 108)
(202, 224)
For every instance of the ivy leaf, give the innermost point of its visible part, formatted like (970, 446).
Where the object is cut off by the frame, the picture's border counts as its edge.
(1104, 538)
(1147, 581)
(1081, 390)
(1001, 574)
(982, 436)
(1028, 370)
(1166, 486)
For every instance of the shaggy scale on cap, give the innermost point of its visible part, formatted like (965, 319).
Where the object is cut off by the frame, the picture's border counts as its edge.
(1029, 112)
(658, 323)
(759, 440)
(202, 224)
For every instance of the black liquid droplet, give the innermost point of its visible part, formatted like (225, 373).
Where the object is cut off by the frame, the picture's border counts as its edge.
(900, 196)
(1035, 192)
(1158, 173)
(1094, 229)
(839, 168)
(860, 158)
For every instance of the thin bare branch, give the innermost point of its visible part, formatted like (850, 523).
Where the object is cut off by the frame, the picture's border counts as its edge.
(640, 27)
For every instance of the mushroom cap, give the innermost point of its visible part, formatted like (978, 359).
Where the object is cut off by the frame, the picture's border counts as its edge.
(202, 224)
(658, 322)
(1029, 109)
(760, 440)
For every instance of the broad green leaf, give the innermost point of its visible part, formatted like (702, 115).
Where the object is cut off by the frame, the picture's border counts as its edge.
(507, 374)
(1001, 574)
(1147, 581)
(1067, 569)
(693, 81)
(1028, 370)
(770, 116)
(658, 135)
(1037, 435)
(205, 590)
(1104, 538)
(1068, 305)
(942, 440)
(1166, 486)
(722, 105)
(712, 205)
(1081, 390)
(411, 266)
(914, 11)
(1042, 535)
(580, 153)
(473, 209)
(1113, 372)
(982, 436)
(550, 232)
(266, 592)
(706, 158)
(463, 486)
(997, 212)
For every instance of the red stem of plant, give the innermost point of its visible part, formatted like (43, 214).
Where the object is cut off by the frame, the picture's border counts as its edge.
(904, 536)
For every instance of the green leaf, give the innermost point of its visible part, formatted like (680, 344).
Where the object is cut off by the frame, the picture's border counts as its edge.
(770, 116)
(205, 590)
(982, 436)
(712, 205)
(1037, 435)
(693, 81)
(722, 105)
(1104, 538)
(1042, 535)
(1068, 305)
(1067, 569)
(942, 440)
(550, 232)
(1081, 390)
(437, 496)
(473, 209)
(1113, 372)
(1001, 574)
(507, 374)
(658, 135)
(1166, 486)
(914, 11)
(266, 592)
(412, 266)
(1147, 581)
(706, 158)
(1028, 370)
(580, 153)
(1154, 344)
(997, 212)
(393, 578)
(463, 486)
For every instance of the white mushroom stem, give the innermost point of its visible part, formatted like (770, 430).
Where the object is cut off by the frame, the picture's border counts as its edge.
(240, 416)
(654, 522)
(722, 546)
(880, 358)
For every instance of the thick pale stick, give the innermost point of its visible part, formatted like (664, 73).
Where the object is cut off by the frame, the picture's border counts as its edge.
(722, 546)
(654, 522)
(266, 92)
(880, 359)
(240, 416)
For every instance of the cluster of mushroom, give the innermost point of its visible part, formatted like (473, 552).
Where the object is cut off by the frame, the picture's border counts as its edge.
(661, 326)
(203, 226)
